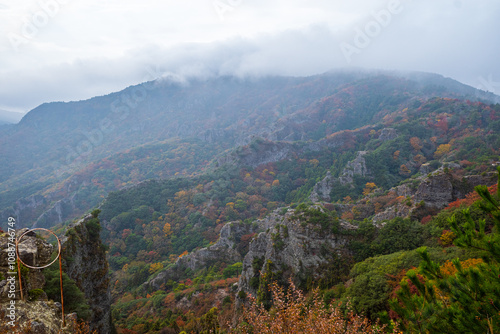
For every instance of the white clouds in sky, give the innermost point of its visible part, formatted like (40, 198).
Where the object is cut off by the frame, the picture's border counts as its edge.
(80, 49)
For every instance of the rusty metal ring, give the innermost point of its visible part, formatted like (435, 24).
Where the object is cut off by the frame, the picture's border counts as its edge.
(38, 228)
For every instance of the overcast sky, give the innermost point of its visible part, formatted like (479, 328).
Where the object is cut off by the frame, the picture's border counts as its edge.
(61, 50)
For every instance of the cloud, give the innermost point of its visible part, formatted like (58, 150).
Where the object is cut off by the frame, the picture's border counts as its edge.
(93, 48)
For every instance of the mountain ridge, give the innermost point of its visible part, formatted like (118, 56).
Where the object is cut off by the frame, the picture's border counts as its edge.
(275, 108)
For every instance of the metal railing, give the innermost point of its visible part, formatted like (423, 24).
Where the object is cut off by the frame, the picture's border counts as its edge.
(41, 267)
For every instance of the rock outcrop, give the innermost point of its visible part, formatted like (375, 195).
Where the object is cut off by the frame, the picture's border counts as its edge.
(434, 191)
(388, 134)
(290, 247)
(25, 210)
(224, 250)
(354, 167)
(86, 264)
(258, 152)
(32, 251)
(322, 189)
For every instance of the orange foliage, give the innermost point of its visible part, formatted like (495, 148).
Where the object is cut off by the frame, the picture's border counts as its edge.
(404, 170)
(448, 269)
(442, 150)
(155, 267)
(369, 188)
(416, 143)
(470, 198)
(314, 162)
(292, 312)
(347, 215)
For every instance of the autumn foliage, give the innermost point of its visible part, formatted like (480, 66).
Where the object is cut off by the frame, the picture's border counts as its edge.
(292, 312)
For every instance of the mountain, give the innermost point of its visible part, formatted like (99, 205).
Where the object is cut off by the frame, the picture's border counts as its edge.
(213, 194)
(10, 117)
(85, 281)
(64, 158)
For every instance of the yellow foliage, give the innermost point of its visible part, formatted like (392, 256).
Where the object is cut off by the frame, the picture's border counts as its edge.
(314, 162)
(167, 229)
(155, 267)
(180, 194)
(447, 238)
(276, 183)
(442, 150)
(369, 188)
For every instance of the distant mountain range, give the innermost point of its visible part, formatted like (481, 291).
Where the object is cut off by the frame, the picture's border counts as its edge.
(10, 117)
(62, 159)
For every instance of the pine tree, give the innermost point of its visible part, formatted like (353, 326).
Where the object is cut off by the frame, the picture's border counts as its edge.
(466, 302)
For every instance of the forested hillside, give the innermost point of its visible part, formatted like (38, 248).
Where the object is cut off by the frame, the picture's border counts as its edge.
(61, 159)
(416, 162)
(217, 196)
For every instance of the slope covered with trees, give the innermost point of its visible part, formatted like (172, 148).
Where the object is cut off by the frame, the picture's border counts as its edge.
(354, 171)
(61, 158)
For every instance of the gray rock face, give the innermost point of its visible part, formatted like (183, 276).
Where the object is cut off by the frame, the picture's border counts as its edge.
(322, 189)
(86, 264)
(223, 250)
(398, 210)
(436, 191)
(25, 210)
(291, 248)
(354, 167)
(34, 252)
(257, 153)
(388, 134)
(43, 317)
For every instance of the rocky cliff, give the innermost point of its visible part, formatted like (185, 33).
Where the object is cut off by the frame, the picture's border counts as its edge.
(306, 244)
(433, 191)
(225, 250)
(84, 262)
(357, 166)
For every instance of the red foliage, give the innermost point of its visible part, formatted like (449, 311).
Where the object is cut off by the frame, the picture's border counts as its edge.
(426, 219)
(470, 198)
(126, 232)
(394, 281)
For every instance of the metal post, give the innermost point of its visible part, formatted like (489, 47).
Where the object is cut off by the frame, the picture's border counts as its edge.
(19, 261)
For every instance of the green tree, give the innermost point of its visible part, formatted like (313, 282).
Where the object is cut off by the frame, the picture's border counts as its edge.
(74, 299)
(467, 302)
